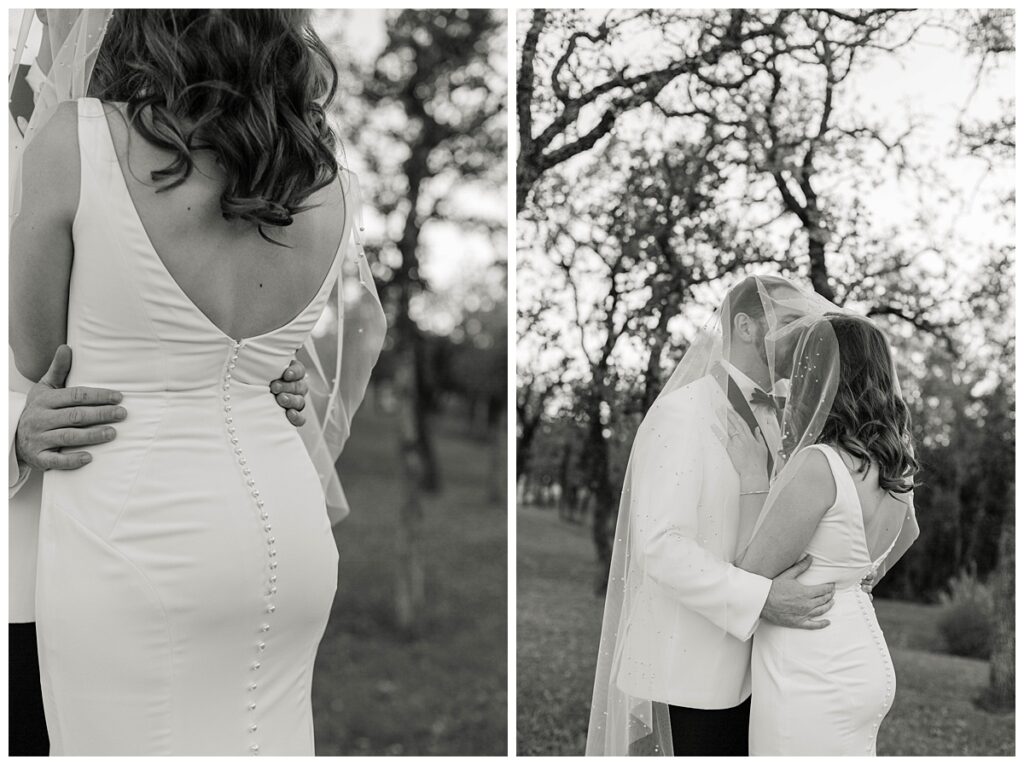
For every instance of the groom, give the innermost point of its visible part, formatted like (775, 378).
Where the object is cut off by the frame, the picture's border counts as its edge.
(49, 428)
(688, 646)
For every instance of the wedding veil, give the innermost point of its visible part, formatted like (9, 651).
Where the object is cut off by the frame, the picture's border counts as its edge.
(622, 724)
(889, 528)
(54, 52)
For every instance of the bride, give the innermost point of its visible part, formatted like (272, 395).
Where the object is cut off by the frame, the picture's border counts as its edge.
(841, 496)
(183, 230)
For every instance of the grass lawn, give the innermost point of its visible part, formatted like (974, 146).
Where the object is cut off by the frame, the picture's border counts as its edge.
(444, 691)
(559, 623)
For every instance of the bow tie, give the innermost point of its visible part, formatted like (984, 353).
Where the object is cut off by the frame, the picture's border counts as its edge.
(762, 398)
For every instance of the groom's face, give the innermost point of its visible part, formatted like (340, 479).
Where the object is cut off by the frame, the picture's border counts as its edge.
(784, 339)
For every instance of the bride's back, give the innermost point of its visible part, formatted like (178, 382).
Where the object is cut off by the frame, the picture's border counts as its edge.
(218, 121)
(882, 512)
(858, 529)
(243, 283)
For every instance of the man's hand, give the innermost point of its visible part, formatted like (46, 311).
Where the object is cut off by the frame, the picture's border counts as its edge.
(290, 391)
(868, 583)
(791, 604)
(56, 417)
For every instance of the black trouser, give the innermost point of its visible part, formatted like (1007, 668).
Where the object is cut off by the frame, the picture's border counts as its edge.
(710, 732)
(27, 732)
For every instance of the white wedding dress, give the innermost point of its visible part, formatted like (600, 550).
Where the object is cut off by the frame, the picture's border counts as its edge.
(186, 575)
(826, 692)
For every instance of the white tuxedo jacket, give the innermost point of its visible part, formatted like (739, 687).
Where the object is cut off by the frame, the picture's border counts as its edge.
(687, 638)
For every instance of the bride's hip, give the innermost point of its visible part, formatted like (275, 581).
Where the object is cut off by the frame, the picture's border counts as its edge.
(853, 636)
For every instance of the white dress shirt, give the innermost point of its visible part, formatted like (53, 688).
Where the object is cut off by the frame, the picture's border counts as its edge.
(764, 414)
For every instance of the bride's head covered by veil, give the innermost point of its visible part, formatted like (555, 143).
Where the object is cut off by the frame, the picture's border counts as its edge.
(752, 334)
(845, 392)
(254, 87)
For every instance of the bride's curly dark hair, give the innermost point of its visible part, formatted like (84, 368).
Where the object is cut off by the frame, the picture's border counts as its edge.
(869, 417)
(252, 86)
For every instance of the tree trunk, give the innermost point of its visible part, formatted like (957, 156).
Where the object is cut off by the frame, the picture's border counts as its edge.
(528, 427)
(818, 266)
(499, 463)
(1001, 691)
(419, 470)
(409, 573)
(603, 520)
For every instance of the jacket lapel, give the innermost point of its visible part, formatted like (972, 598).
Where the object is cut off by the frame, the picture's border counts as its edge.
(739, 402)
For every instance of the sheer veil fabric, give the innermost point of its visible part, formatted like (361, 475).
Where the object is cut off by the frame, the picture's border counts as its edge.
(621, 723)
(349, 337)
(891, 527)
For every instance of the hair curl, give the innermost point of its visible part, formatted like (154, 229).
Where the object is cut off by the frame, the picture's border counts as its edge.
(252, 86)
(869, 417)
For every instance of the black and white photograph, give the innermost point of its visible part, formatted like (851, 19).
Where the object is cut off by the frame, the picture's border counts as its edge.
(258, 382)
(765, 409)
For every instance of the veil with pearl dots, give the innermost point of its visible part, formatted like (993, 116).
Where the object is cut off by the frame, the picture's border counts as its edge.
(340, 355)
(53, 53)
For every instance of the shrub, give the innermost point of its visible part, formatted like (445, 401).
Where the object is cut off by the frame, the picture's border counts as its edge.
(966, 623)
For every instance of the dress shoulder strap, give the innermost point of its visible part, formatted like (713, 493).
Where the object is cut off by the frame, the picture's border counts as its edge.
(92, 127)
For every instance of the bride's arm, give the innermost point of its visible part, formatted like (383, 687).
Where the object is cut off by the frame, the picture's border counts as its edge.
(792, 518)
(41, 244)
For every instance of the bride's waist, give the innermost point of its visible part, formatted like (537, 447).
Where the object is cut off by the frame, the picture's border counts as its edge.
(195, 420)
(185, 389)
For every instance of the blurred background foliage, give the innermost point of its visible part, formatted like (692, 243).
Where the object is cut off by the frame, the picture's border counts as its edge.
(414, 661)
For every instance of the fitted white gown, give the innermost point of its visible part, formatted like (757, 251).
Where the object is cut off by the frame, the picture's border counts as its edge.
(186, 575)
(826, 692)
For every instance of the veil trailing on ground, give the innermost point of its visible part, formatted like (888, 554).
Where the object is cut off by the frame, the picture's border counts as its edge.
(54, 52)
(620, 723)
(891, 527)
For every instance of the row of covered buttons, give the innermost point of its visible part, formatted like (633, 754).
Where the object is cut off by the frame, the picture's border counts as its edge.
(264, 516)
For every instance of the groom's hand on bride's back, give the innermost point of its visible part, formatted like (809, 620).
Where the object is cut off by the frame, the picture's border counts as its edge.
(56, 418)
(290, 391)
(791, 604)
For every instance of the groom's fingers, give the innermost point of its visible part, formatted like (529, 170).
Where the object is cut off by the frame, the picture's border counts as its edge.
(822, 600)
(294, 371)
(79, 396)
(818, 590)
(82, 416)
(51, 460)
(299, 387)
(815, 624)
(79, 436)
(294, 417)
(289, 401)
(819, 610)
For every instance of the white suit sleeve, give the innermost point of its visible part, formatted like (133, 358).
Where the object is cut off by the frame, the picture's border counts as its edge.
(17, 473)
(668, 471)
